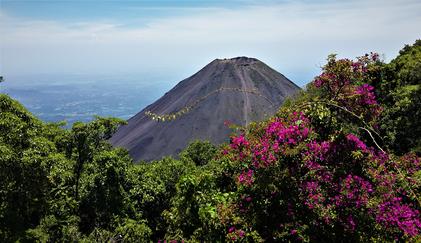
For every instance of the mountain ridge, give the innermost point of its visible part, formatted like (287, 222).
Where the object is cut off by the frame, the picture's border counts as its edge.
(236, 78)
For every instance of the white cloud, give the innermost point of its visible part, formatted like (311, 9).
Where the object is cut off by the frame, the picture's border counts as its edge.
(292, 37)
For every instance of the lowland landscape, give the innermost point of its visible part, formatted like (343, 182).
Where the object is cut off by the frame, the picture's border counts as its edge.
(237, 152)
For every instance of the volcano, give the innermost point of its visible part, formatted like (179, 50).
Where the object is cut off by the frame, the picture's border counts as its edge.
(239, 90)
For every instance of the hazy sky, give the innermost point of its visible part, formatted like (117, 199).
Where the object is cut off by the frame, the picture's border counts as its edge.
(180, 37)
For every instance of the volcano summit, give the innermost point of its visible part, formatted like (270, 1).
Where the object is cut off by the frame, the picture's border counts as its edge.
(239, 90)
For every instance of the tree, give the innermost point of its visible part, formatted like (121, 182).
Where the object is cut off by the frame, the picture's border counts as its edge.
(152, 188)
(199, 152)
(25, 158)
(104, 194)
(399, 92)
(88, 139)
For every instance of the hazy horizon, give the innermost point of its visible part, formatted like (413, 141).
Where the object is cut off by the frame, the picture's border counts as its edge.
(178, 38)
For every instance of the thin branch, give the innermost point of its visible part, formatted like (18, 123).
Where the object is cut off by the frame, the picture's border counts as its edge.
(374, 140)
(347, 111)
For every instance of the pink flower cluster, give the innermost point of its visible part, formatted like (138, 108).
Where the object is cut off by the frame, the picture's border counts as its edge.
(331, 183)
(279, 135)
(313, 194)
(366, 94)
(317, 153)
(239, 142)
(354, 192)
(345, 81)
(323, 79)
(235, 234)
(246, 178)
(287, 135)
(339, 73)
(394, 213)
(331, 81)
(356, 142)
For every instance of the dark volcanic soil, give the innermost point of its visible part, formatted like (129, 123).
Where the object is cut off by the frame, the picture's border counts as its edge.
(147, 139)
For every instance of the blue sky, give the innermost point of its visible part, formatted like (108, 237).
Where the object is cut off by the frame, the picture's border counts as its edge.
(179, 37)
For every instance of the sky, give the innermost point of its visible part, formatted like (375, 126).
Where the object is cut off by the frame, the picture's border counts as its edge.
(93, 37)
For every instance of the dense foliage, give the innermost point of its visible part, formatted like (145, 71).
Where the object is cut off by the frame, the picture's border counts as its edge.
(400, 97)
(339, 162)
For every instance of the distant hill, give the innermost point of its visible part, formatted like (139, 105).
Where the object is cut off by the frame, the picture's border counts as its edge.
(239, 90)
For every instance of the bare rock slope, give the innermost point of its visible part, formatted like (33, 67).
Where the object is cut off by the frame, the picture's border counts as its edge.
(239, 90)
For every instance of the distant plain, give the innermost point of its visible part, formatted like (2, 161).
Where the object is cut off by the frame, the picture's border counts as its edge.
(72, 98)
